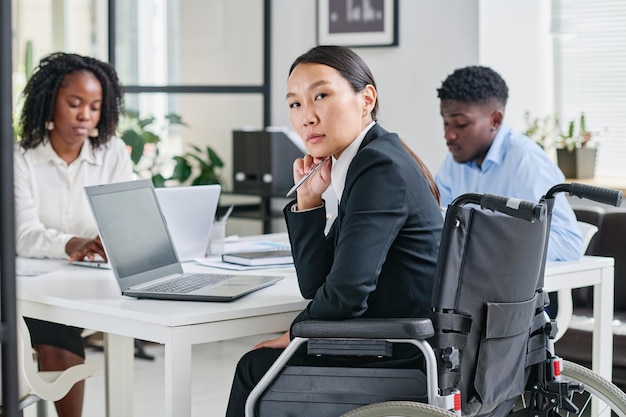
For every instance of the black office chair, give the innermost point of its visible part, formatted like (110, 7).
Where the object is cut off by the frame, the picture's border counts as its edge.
(486, 344)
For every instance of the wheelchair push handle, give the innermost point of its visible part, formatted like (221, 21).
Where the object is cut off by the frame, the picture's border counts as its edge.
(591, 192)
(514, 207)
(599, 194)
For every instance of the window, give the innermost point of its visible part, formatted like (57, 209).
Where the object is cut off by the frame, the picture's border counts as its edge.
(590, 73)
(45, 26)
(191, 42)
(205, 60)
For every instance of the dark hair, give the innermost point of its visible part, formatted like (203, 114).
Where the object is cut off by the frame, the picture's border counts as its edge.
(474, 84)
(42, 88)
(346, 61)
(352, 67)
(428, 176)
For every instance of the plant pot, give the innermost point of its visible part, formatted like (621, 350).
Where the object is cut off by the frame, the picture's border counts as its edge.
(578, 164)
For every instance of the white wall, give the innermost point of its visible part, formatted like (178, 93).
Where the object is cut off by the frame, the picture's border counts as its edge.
(515, 40)
(436, 37)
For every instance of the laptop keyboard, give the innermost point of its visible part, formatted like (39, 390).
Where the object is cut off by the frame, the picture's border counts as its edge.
(188, 283)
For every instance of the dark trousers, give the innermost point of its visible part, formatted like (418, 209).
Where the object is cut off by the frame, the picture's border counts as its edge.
(254, 364)
(250, 369)
(553, 307)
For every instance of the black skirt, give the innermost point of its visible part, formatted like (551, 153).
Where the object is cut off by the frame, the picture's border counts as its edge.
(59, 335)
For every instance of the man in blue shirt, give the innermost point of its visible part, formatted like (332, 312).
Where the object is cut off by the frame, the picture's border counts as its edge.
(487, 157)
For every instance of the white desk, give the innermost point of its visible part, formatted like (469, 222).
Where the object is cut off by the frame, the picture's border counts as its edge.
(599, 273)
(90, 298)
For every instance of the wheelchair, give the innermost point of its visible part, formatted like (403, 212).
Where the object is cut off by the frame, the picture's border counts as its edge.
(487, 346)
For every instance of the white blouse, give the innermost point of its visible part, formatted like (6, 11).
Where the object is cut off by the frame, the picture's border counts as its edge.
(50, 203)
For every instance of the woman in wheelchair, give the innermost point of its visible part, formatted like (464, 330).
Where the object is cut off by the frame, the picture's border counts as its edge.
(378, 259)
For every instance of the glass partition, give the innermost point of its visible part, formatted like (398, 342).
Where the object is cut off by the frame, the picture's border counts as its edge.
(190, 42)
(45, 26)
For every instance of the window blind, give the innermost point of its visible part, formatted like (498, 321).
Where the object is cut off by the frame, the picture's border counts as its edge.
(590, 74)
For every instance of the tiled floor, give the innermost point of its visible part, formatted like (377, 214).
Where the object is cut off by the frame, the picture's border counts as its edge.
(213, 367)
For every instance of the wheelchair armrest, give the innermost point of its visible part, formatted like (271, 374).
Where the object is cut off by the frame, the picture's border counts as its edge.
(404, 328)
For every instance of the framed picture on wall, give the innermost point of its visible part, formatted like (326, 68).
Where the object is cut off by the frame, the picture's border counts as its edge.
(357, 23)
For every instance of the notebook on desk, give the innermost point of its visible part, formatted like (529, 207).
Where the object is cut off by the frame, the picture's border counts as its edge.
(141, 252)
(189, 213)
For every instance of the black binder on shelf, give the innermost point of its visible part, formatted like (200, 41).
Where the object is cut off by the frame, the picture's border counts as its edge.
(263, 162)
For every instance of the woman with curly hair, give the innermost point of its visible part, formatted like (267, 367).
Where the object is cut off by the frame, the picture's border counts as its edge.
(71, 109)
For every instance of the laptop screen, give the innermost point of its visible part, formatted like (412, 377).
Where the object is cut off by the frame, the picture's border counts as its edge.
(132, 228)
(189, 213)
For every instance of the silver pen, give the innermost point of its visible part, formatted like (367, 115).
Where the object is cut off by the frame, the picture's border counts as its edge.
(306, 177)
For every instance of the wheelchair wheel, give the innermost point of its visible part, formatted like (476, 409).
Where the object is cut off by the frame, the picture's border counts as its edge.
(613, 398)
(399, 409)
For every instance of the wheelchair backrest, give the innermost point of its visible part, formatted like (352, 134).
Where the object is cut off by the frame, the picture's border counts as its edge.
(488, 292)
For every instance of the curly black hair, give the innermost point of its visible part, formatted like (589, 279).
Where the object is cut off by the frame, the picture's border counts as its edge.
(41, 91)
(474, 84)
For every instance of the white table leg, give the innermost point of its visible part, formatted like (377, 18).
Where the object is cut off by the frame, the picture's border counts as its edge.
(178, 374)
(602, 344)
(119, 355)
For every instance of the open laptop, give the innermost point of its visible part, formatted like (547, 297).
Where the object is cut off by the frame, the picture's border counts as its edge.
(142, 255)
(189, 213)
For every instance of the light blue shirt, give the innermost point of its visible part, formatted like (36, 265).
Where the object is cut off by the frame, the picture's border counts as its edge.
(516, 167)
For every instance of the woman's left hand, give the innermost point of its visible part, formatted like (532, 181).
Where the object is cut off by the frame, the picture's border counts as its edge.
(280, 342)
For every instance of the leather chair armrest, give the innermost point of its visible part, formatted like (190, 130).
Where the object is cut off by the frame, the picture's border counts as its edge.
(419, 328)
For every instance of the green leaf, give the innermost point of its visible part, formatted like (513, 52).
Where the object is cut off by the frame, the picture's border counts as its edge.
(205, 178)
(146, 122)
(149, 137)
(182, 169)
(158, 181)
(136, 143)
(175, 119)
(28, 59)
(214, 158)
(203, 164)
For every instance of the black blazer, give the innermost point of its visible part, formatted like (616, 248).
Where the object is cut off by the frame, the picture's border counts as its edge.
(379, 257)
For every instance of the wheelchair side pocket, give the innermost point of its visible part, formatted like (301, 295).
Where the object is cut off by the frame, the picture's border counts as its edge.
(502, 355)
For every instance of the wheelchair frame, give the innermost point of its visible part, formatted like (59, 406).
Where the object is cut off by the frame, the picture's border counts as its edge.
(549, 392)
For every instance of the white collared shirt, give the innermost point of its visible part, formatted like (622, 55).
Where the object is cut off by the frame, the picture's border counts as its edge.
(340, 166)
(50, 203)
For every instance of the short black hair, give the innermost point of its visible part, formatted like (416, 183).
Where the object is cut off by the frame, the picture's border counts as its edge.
(474, 84)
(41, 91)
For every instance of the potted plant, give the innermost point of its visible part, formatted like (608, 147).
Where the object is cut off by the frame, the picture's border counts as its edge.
(542, 130)
(199, 166)
(208, 166)
(575, 154)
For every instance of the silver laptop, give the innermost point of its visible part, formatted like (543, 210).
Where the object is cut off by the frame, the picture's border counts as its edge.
(189, 213)
(140, 249)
